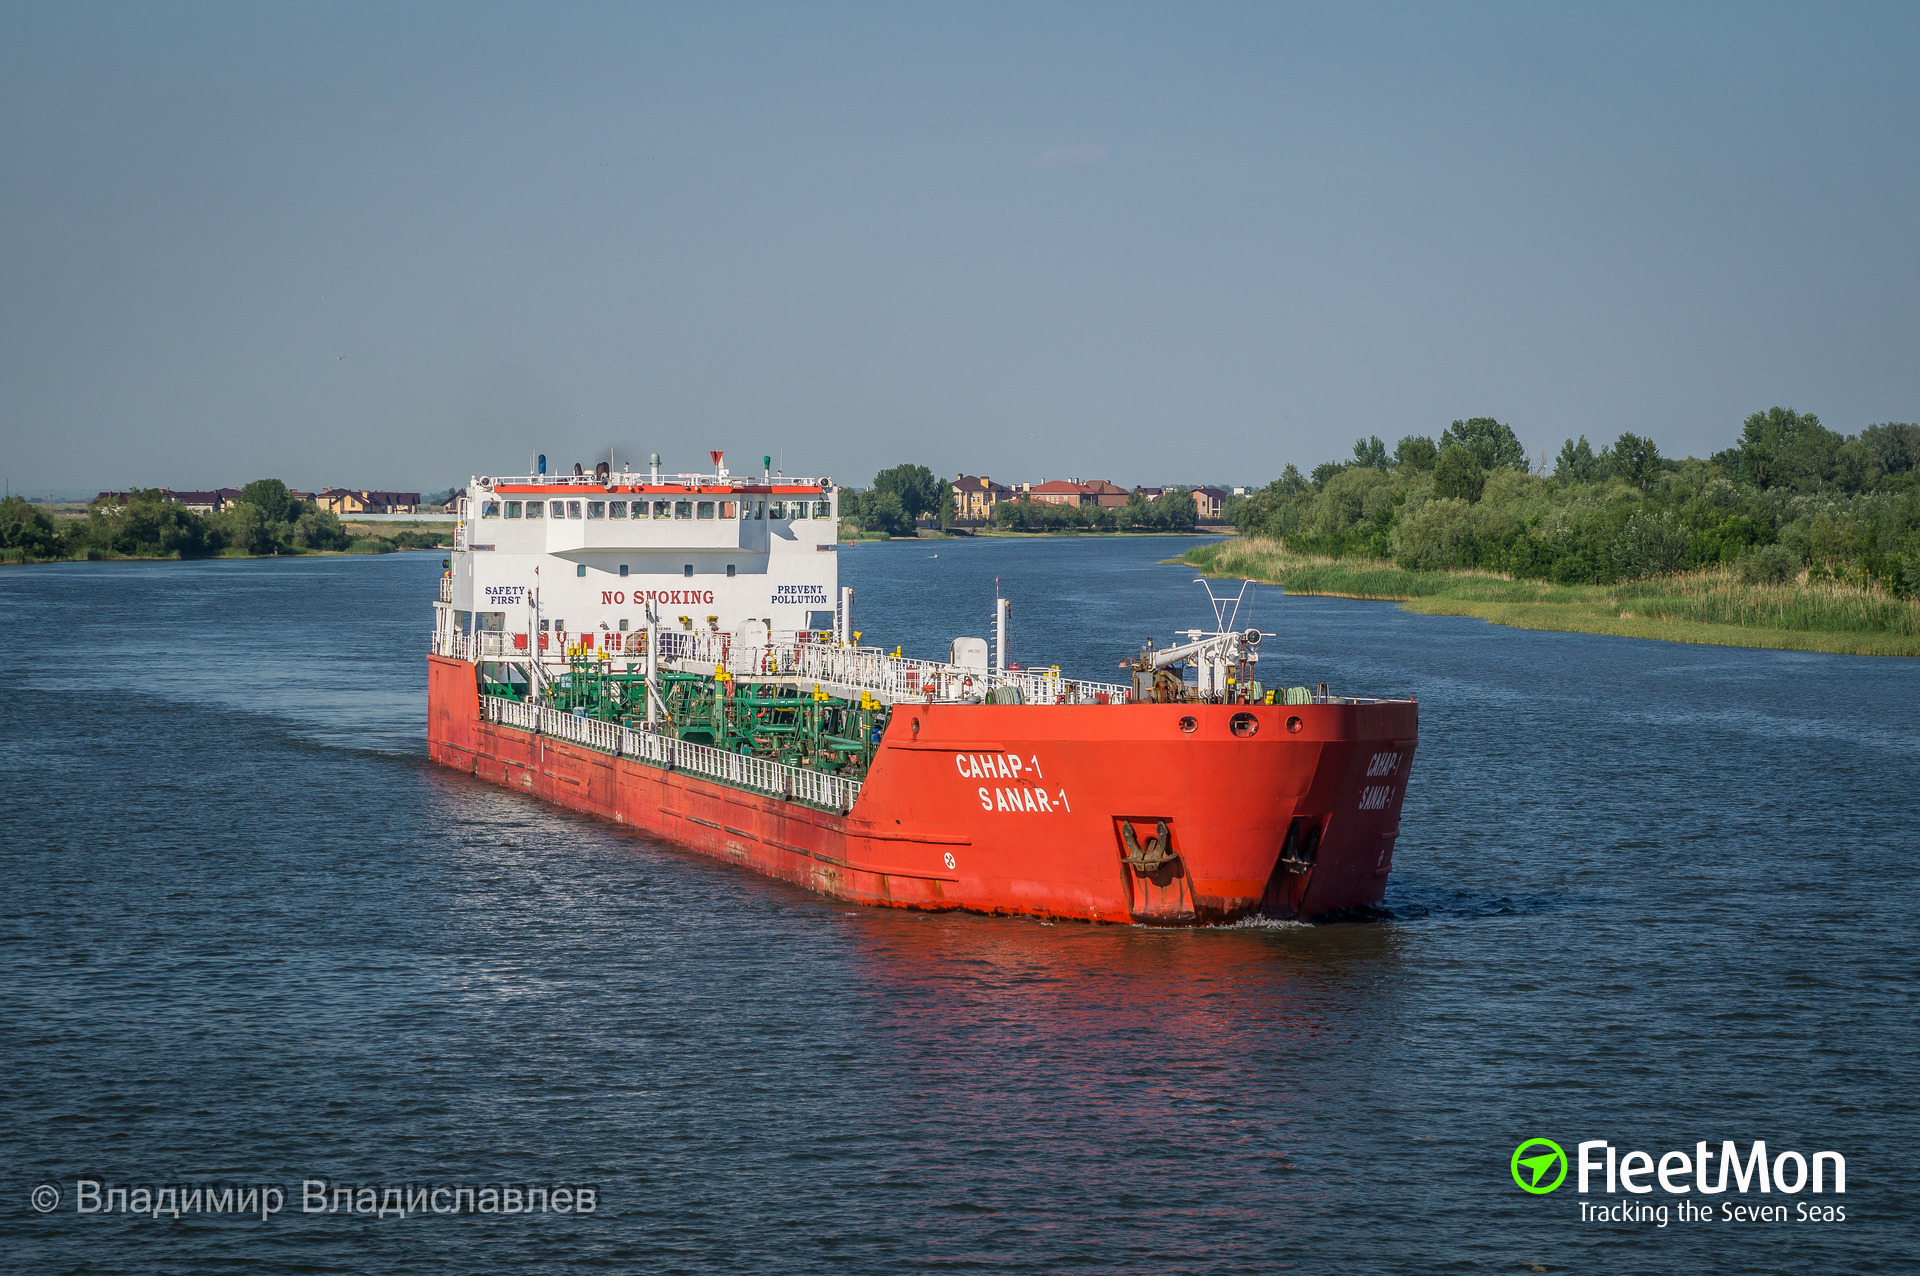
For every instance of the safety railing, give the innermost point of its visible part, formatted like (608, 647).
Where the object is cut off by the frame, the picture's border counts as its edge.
(581, 729)
(800, 658)
(890, 678)
(839, 669)
(488, 644)
(762, 775)
(513, 713)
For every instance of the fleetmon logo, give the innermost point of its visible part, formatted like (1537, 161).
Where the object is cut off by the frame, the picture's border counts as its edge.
(1533, 1161)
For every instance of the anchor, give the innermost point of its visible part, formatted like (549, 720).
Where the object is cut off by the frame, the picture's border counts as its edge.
(1156, 852)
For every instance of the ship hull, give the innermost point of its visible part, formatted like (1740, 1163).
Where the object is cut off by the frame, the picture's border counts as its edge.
(1022, 809)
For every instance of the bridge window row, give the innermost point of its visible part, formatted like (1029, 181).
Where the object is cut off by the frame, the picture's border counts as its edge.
(742, 510)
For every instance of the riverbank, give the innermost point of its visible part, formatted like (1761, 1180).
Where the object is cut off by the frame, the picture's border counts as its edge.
(848, 535)
(18, 558)
(1708, 607)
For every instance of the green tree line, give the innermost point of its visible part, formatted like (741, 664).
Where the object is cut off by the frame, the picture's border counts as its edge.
(267, 519)
(901, 496)
(1174, 511)
(897, 500)
(1790, 496)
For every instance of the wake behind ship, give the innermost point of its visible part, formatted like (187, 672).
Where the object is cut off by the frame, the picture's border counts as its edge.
(675, 653)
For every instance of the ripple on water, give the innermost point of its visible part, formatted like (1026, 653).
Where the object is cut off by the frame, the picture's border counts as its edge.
(252, 936)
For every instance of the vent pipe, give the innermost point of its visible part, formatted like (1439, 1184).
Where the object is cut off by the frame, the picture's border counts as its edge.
(1000, 609)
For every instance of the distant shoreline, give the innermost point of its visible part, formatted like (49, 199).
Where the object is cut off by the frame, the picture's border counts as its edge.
(224, 555)
(1057, 534)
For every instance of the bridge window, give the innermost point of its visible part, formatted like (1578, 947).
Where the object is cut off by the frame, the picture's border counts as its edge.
(726, 509)
(618, 509)
(513, 509)
(759, 509)
(798, 510)
(683, 509)
(573, 509)
(777, 510)
(558, 509)
(536, 508)
(706, 509)
(596, 509)
(489, 509)
(823, 509)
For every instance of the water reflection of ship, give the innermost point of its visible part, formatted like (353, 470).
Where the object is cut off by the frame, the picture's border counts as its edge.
(1186, 1088)
(1139, 997)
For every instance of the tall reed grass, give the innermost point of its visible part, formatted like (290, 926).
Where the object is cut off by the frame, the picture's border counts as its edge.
(1658, 607)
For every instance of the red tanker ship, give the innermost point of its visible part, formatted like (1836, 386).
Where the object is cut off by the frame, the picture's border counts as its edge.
(753, 726)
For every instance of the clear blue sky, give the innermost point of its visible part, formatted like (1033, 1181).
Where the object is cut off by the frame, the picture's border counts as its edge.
(399, 244)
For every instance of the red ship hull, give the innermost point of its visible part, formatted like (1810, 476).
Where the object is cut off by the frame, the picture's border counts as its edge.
(1022, 809)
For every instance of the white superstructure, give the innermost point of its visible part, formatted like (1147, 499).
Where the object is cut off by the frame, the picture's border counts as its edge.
(694, 573)
(576, 560)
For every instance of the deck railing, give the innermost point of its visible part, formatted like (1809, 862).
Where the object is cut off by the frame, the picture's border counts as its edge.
(762, 775)
(800, 659)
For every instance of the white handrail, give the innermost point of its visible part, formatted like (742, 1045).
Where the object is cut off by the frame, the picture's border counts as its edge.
(844, 670)
(763, 775)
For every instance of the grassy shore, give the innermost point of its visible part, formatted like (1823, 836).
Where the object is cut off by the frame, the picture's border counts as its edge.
(928, 534)
(1710, 607)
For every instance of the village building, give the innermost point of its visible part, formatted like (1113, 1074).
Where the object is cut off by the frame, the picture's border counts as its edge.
(344, 501)
(1208, 502)
(974, 497)
(121, 498)
(209, 502)
(1060, 492)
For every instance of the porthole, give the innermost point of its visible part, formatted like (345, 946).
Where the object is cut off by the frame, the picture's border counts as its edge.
(1245, 725)
(1188, 724)
(1293, 725)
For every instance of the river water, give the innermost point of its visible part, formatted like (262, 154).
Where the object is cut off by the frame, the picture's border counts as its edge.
(1645, 893)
